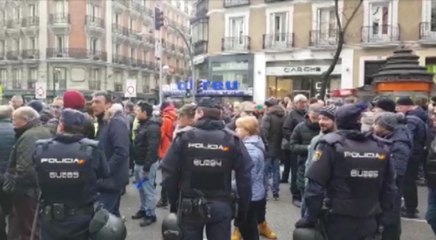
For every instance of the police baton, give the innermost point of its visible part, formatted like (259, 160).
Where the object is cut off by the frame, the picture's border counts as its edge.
(35, 217)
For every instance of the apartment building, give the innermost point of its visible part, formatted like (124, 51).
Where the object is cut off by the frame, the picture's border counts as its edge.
(88, 45)
(277, 47)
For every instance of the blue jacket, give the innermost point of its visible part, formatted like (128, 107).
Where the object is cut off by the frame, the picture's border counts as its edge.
(416, 122)
(401, 148)
(7, 141)
(256, 150)
(113, 137)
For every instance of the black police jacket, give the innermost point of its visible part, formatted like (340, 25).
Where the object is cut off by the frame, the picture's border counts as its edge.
(202, 160)
(67, 168)
(356, 171)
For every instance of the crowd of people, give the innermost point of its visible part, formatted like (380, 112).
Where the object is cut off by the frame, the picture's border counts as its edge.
(306, 136)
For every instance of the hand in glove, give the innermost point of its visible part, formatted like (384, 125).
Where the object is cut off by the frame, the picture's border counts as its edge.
(305, 223)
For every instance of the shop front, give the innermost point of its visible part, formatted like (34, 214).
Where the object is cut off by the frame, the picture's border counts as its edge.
(293, 77)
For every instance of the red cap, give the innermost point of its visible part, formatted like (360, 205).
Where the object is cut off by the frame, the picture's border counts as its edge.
(74, 99)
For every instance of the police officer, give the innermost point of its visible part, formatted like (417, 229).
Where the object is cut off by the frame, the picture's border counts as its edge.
(67, 168)
(198, 172)
(353, 171)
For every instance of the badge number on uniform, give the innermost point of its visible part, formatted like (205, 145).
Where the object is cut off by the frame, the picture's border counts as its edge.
(317, 155)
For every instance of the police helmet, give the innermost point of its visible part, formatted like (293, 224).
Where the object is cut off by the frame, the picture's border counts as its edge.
(106, 226)
(170, 228)
(307, 234)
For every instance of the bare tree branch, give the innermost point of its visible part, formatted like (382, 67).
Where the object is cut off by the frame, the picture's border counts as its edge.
(356, 9)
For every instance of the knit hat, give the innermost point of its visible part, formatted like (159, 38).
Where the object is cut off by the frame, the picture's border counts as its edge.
(348, 116)
(36, 105)
(386, 104)
(388, 120)
(74, 99)
(328, 111)
(271, 102)
(405, 101)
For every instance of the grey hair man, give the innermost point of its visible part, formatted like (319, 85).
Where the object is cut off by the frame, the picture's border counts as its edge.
(20, 179)
(16, 101)
(7, 141)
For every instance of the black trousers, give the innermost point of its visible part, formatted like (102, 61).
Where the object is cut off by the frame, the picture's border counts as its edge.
(392, 220)
(286, 160)
(255, 216)
(347, 228)
(410, 192)
(293, 162)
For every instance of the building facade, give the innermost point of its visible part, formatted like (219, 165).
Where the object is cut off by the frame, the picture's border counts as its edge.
(89, 45)
(293, 42)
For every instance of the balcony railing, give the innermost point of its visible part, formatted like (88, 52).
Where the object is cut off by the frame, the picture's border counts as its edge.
(133, 62)
(13, 23)
(78, 53)
(97, 55)
(427, 31)
(321, 38)
(30, 22)
(31, 84)
(278, 41)
(241, 43)
(120, 59)
(200, 47)
(235, 3)
(59, 18)
(13, 55)
(30, 54)
(94, 21)
(380, 34)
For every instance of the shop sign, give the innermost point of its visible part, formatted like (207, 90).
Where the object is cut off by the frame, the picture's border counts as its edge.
(301, 70)
(210, 88)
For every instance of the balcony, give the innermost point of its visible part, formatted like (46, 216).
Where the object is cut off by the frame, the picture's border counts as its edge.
(13, 55)
(134, 62)
(119, 5)
(30, 54)
(278, 41)
(118, 59)
(134, 36)
(427, 33)
(200, 47)
(59, 22)
(94, 25)
(236, 3)
(97, 55)
(13, 27)
(31, 83)
(241, 43)
(2, 55)
(76, 53)
(380, 36)
(30, 24)
(323, 39)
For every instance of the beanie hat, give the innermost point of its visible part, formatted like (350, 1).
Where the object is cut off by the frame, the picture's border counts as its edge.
(328, 111)
(405, 101)
(386, 104)
(271, 102)
(74, 99)
(388, 120)
(348, 115)
(36, 105)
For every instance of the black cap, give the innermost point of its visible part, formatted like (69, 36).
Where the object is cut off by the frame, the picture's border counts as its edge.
(386, 104)
(73, 118)
(209, 102)
(405, 101)
(36, 105)
(348, 115)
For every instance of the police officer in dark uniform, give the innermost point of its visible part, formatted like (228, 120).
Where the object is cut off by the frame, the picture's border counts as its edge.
(68, 167)
(353, 176)
(198, 172)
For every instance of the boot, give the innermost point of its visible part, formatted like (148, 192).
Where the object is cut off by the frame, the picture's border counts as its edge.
(236, 235)
(265, 231)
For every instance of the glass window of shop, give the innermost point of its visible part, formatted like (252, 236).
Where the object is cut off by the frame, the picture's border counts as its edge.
(282, 86)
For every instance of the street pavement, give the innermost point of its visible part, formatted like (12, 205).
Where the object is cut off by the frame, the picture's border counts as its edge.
(281, 215)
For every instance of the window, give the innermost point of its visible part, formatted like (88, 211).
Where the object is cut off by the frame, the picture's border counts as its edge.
(93, 11)
(132, 24)
(433, 15)
(2, 17)
(379, 18)
(236, 28)
(32, 10)
(59, 42)
(132, 52)
(61, 7)
(326, 23)
(4, 78)
(33, 43)
(117, 18)
(16, 78)
(2, 48)
(93, 45)
(32, 78)
(117, 49)
(279, 26)
(16, 12)
(16, 44)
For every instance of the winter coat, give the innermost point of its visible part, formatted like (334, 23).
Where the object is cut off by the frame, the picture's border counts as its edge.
(113, 137)
(299, 143)
(292, 120)
(7, 141)
(169, 117)
(272, 123)
(416, 122)
(146, 143)
(21, 159)
(401, 148)
(256, 150)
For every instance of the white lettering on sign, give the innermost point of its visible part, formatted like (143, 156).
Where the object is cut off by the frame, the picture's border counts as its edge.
(379, 156)
(207, 163)
(61, 161)
(315, 70)
(64, 175)
(364, 173)
(208, 146)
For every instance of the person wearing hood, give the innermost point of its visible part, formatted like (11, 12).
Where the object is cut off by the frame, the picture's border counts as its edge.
(388, 125)
(271, 129)
(113, 137)
(145, 155)
(416, 122)
(247, 128)
(299, 142)
(351, 173)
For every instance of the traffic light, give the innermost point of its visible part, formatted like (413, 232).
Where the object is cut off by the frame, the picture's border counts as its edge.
(199, 86)
(188, 93)
(158, 18)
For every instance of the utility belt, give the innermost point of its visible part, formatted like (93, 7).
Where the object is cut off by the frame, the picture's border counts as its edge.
(60, 211)
(195, 207)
